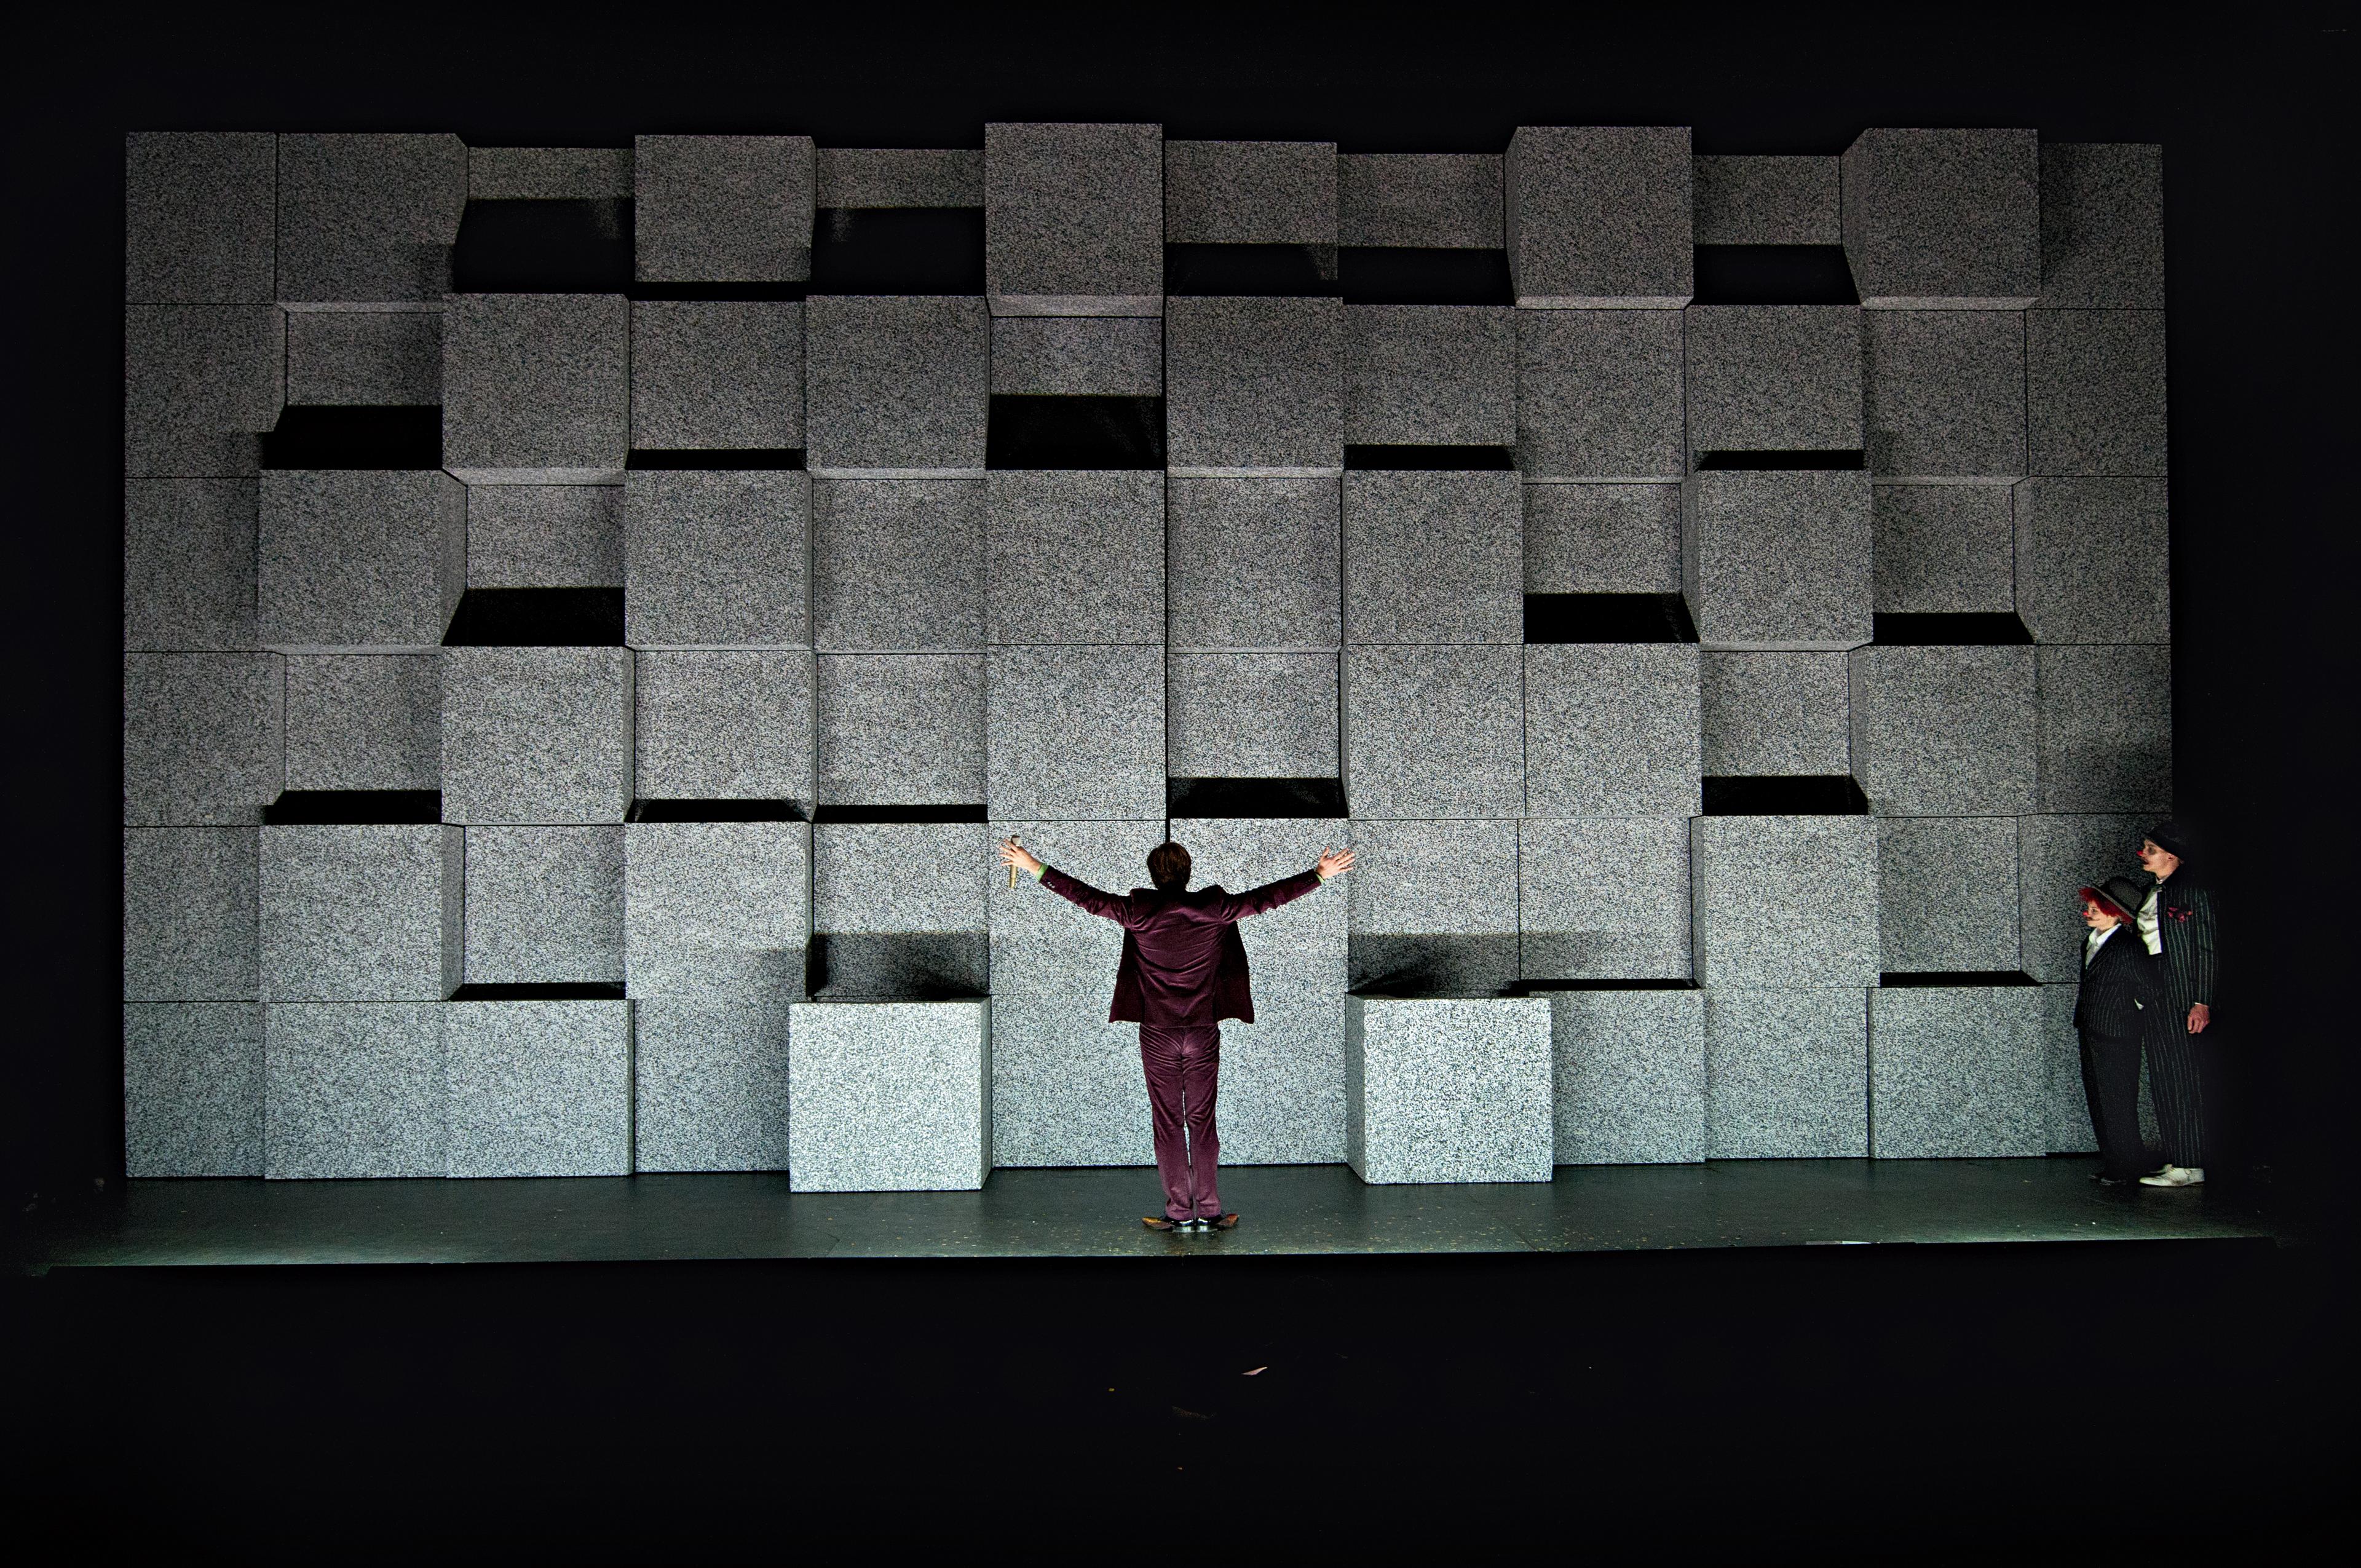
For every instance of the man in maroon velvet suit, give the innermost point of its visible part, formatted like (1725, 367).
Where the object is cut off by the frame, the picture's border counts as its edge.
(1183, 970)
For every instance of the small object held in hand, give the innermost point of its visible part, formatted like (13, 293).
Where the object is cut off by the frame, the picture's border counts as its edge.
(1254, 1372)
(1012, 868)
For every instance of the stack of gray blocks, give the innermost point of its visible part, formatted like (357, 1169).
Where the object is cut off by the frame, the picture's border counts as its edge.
(1546, 954)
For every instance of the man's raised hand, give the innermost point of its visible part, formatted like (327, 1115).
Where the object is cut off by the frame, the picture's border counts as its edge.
(1013, 853)
(1334, 863)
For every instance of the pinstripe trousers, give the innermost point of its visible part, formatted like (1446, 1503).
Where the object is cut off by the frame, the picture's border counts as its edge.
(2174, 1081)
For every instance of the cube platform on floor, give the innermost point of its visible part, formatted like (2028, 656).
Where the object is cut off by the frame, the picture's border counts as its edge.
(1448, 1090)
(1786, 1073)
(191, 1089)
(1957, 1073)
(538, 1088)
(353, 1088)
(889, 1096)
(1630, 1076)
(710, 1081)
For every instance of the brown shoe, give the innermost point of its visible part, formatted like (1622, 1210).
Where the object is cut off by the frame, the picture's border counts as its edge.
(1226, 1222)
(1159, 1222)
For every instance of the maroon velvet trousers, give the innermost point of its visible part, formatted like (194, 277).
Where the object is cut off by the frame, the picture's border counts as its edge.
(1182, 1066)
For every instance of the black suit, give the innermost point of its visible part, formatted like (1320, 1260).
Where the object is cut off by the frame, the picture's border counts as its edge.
(2184, 976)
(2120, 993)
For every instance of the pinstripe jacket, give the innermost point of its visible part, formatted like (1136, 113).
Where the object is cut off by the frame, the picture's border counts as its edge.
(2120, 988)
(2184, 921)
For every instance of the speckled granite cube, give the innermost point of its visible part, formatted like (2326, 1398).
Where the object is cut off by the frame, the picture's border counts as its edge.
(1430, 375)
(1422, 200)
(352, 556)
(1944, 732)
(199, 226)
(709, 1082)
(1786, 902)
(2095, 392)
(1072, 555)
(2066, 1108)
(2105, 729)
(899, 177)
(716, 908)
(1611, 730)
(538, 1088)
(368, 218)
(203, 737)
(1947, 893)
(544, 905)
(717, 373)
(1766, 201)
(1448, 1090)
(1774, 715)
(536, 736)
(2093, 560)
(1073, 219)
(734, 209)
(1432, 906)
(188, 564)
(1253, 563)
(372, 359)
(1435, 732)
(1598, 216)
(536, 388)
(1943, 392)
(353, 1088)
(2102, 225)
(360, 912)
(1603, 898)
(899, 907)
(2057, 857)
(1250, 192)
(896, 388)
(1600, 395)
(1778, 559)
(901, 728)
(1602, 539)
(1787, 1074)
(1078, 356)
(889, 1096)
(1630, 1080)
(1254, 387)
(191, 914)
(1775, 378)
(364, 721)
(1250, 716)
(545, 536)
(1434, 557)
(1957, 1073)
(897, 564)
(1075, 734)
(1941, 549)
(549, 173)
(717, 559)
(191, 1089)
(200, 384)
(1943, 219)
(724, 727)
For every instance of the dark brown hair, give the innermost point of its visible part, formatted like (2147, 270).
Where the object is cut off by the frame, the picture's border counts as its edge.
(1168, 867)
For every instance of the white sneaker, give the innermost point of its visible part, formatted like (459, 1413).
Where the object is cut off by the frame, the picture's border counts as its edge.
(2176, 1176)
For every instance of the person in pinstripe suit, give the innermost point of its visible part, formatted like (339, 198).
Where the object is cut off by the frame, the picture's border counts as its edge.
(2118, 996)
(2176, 925)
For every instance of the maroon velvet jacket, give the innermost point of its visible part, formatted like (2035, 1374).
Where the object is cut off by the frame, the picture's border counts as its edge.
(1184, 965)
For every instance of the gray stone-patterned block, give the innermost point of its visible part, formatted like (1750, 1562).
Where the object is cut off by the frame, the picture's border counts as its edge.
(200, 229)
(1076, 356)
(538, 1088)
(1775, 378)
(897, 564)
(889, 1096)
(1075, 734)
(1947, 893)
(203, 737)
(1432, 906)
(1598, 216)
(2105, 729)
(1448, 1088)
(2095, 392)
(1941, 549)
(1778, 559)
(1611, 730)
(191, 1089)
(709, 1082)
(201, 383)
(360, 912)
(549, 173)
(1600, 395)
(733, 209)
(1250, 192)
(897, 387)
(899, 909)
(1786, 902)
(353, 1088)
(901, 729)
(717, 373)
(1254, 563)
(1430, 375)
(899, 177)
(1630, 1080)
(1602, 539)
(1786, 1073)
(2102, 225)
(1074, 555)
(2066, 1107)
(717, 559)
(190, 915)
(716, 908)
(1420, 200)
(1254, 387)
(1943, 219)
(1775, 715)
(1957, 1073)
(368, 218)
(1766, 201)
(544, 905)
(1944, 732)
(536, 736)
(1943, 392)
(188, 564)
(356, 557)
(365, 721)
(1433, 556)
(1603, 898)
(1250, 716)
(724, 727)
(1435, 732)
(545, 536)
(536, 388)
(2057, 857)
(376, 358)
(2093, 560)
(1073, 219)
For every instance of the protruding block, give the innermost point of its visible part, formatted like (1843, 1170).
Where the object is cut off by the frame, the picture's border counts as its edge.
(2058, 857)
(1074, 219)
(200, 227)
(1448, 1090)
(1074, 556)
(1774, 715)
(1957, 1073)
(1603, 898)
(2102, 225)
(536, 736)
(718, 909)
(709, 1082)
(1943, 392)
(1250, 716)
(724, 727)
(353, 556)
(1434, 733)
(201, 383)
(1078, 356)
(203, 737)
(1611, 730)
(717, 373)
(1774, 560)
(1429, 375)
(1944, 732)
(536, 388)
(370, 721)
(1766, 201)
(872, 177)
(1786, 1073)
(191, 1089)
(538, 1088)
(544, 906)
(1784, 902)
(1599, 217)
(1250, 192)
(1600, 395)
(190, 915)
(1941, 549)
(1254, 387)
(368, 218)
(369, 358)
(1422, 201)
(2093, 560)
(2105, 729)
(1775, 378)
(353, 1088)
(897, 564)
(1943, 219)
(545, 536)
(897, 387)
(1253, 564)
(188, 564)
(1947, 895)
(1434, 557)
(717, 559)
(1629, 1079)
(1076, 734)
(901, 729)
(1432, 907)
(889, 1096)
(360, 913)
(898, 910)
(732, 209)
(2095, 392)
(1602, 539)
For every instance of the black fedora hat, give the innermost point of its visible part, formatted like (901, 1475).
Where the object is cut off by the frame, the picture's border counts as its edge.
(2118, 895)
(2169, 837)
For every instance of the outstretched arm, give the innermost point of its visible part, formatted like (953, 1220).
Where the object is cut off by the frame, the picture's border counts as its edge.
(1091, 898)
(1271, 894)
